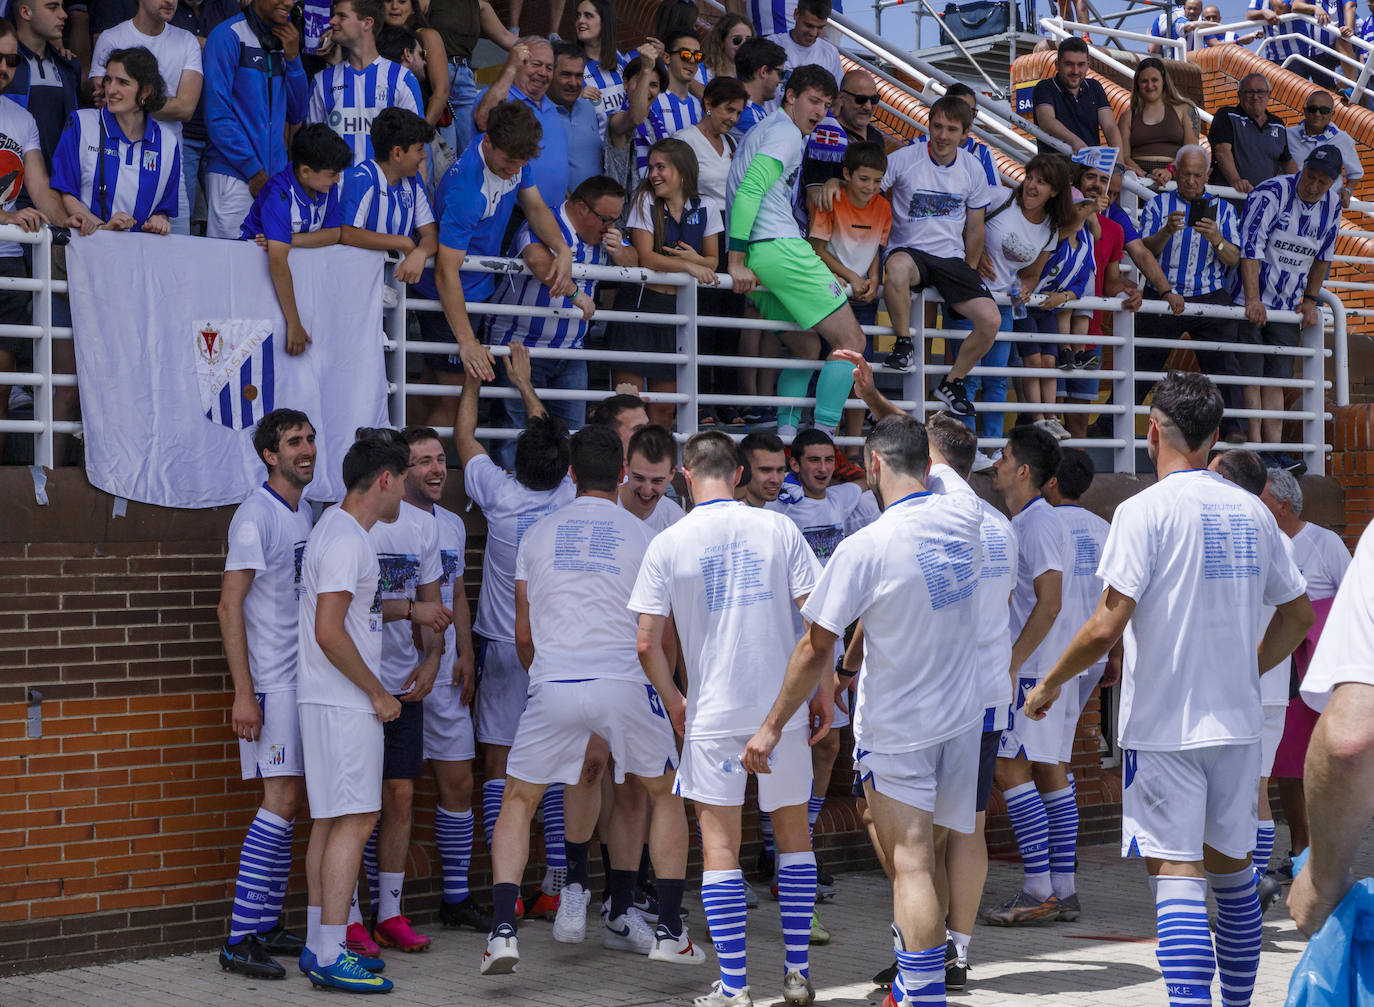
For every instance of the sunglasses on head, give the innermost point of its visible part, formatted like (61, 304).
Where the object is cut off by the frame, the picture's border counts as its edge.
(11, 59)
(691, 55)
(863, 99)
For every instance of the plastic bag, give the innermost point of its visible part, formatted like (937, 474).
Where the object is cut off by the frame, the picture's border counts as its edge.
(1337, 969)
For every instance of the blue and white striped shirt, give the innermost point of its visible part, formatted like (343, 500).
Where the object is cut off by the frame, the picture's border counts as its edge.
(1188, 260)
(753, 114)
(773, 16)
(348, 99)
(139, 177)
(1069, 270)
(283, 208)
(370, 203)
(557, 333)
(1286, 236)
(611, 84)
(679, 113)
(1280, 50)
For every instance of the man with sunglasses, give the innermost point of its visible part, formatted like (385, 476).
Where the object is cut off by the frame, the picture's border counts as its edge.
(853, 112)
(677, 106)
(1318, 128)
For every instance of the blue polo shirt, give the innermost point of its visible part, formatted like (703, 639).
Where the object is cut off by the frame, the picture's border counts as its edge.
(585, 146)
(284, 208)
(1077, 113)
(550, 167)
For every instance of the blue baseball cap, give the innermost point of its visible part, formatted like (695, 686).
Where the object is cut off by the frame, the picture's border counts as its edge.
(1326, 159)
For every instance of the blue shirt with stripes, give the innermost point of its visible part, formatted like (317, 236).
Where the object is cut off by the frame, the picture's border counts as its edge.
(348, 99)
(283, 207)
(1188, 259)
(1294, 44)
(1286, 236)
(1069, 269)
(111, 173)
(556, 333)
(773, 16)
(753, 114)
(371, 203)
(611, 84)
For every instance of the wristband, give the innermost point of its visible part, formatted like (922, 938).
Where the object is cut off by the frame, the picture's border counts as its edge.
(840, 670)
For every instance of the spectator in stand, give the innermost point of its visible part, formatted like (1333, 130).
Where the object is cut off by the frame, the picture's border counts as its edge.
(178, 59)
(383, 199)
(711, 139)
(1157, 124)
(1212, 15)
(1318, 128)
(403, 14)
(1288, 233)
(576, 114)
(1249, 143)
(722, 43)
(771, 16)
(804, 42)
(45, 82)
(853, 113)
(759, 62)
(1365, 29)
(594, 26)
(1175, 23)
(254, 86)
(461, 24)
(525, 78)
(676, 105)
(639, 125)
(199, 18)
(974, 147)
(674, 229)
(1071, 106)
(1290, 38)
(1196, 238)
(348, 95)
(299, 208)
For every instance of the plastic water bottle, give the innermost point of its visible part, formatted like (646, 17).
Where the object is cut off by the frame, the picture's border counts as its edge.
(1018, 306)
(735, 764)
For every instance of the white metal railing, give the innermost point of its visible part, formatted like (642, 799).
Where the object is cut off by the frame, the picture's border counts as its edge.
(1357, 69)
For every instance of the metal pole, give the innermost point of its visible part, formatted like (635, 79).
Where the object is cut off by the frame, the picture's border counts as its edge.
(43, 445)
(394, 331)
(1314, 397)
(687, 377)
(1123, 391)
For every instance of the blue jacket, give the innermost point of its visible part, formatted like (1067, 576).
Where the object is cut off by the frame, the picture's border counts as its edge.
(251, 92)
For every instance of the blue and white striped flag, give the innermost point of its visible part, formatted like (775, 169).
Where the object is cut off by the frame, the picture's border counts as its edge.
(235, 369)
(1102, 159)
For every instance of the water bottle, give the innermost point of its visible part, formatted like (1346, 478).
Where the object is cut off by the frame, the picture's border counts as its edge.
(735, 764)
(1018, 305)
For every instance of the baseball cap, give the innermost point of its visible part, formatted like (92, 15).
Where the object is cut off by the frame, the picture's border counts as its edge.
(1326, 159)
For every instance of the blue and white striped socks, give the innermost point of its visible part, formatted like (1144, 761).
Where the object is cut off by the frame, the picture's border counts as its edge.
(722, 896)
(453, 835)
(492, 792)
(281, 873)
(1264, 848)
(920, 977)
(1185, 941)
(813, 810)
(1237, 934)
(257, 869)
(796, 903)
(1061, 813)
(1032, 827)
(374, 887)
(555, 854)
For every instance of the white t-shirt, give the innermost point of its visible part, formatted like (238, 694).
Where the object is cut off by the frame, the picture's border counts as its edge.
(730, 575)
(453, 546)
(579, 566)
(268, 537)
(1199, 556)
(825, 522)
(910, 575)
(1082, 586)
(712, 167)
(339, 557)
(510, 510)
(930, 201)
(641, 216)
(18, 136)
(820, 52)
(665, 514)
(1013, 242)
(1043, 544)
(1345, 652)
(1322, 558)
(408, 556)
(1275, 682)
(175, 49)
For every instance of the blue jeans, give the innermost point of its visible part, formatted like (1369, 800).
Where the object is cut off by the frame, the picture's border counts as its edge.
(462, 98)
(192, 155)
(546, 373)
(990, 423)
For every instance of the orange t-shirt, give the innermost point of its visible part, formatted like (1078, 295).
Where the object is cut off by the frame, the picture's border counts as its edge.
(851, 234)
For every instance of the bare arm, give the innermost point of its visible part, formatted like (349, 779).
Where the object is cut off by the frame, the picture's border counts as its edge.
(1123, 126)
(245, 715)
(277, 267)
(1049, 589)
(1107, 123)
(464, 659)
(339, 648)
(436, 67)
(322, 238)
(500, 88)
(362, 237)
(558, 276)
(524, 634)
(183, 106)
(658, 670)
(465, 424)
(1286, 630)
(809, 663)
(1046, 120)
(477, 359)
(493, 29)
(421, 680)
(522, 380)
(1094, 639)
(975, 235)
(1226, 161)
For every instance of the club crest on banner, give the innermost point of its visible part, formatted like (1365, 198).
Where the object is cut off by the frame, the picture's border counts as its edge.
(234, 369)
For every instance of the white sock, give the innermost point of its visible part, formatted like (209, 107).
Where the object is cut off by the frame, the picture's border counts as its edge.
(786, 433)
(961, 943)
(1063, 885)
(355, 915)
(331, 943)
(389, 903)
(312, 926)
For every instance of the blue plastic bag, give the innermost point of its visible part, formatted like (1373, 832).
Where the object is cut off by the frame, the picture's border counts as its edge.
(1337, 969)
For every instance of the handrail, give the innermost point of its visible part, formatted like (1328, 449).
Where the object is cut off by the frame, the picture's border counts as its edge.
(1063, 27)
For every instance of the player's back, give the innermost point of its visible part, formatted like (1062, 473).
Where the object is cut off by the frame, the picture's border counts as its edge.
(1082, 585)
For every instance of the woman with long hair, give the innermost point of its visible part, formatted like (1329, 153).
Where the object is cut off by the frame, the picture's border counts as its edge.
(435, 82)
(594, 25)
(1158, 122)
(674, 230)
(721, 44)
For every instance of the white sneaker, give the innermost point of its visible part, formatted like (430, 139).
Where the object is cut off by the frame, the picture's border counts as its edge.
(628, 933)
(503, 952)
(389, 297)
(1054, 428)
(678, 950)
(718, 998)
(570, 925)
(797, 989)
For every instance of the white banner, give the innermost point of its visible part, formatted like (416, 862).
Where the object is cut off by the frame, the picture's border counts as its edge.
(181, 349)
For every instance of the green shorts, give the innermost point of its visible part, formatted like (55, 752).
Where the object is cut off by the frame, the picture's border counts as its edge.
(800, 287)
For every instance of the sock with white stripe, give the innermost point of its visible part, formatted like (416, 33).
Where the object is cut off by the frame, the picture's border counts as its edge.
(1185, 942)
(281, 874)
(722, 896)
(355, 912)
(453, 835)
(1061, 813)
(257, 864)
(796, 903)
(1264, 847)
(492, 792)
(1032, 827)
(813, 810)
(554, 852)
(1237, 934)
(391, 885)
(766, 830)
(370, 868)
(921, 975)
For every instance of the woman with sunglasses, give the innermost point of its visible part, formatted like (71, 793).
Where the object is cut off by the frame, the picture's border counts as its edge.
(434, 83)
(674, 229)
(721, 44)
(1158, 122)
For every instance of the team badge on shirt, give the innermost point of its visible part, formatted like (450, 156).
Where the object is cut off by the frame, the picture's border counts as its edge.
(150, 160)
(234, 369)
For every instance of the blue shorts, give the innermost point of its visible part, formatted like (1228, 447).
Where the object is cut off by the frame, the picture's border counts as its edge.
(1040, 321)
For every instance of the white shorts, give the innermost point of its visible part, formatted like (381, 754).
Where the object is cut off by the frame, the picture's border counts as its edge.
(343, 760)
(277, 750)
(1174, 803)
(503, 684)
(561, 717)
(448, 725)
(1270, 736)
(1039, 740)
(702, 778)
(942, 778)
(227, 202)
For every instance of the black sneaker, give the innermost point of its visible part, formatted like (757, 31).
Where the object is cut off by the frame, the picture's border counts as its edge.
(759, 416)
(464, 914)
(956, 974)
(825, 885)
(954, 397)
(248, 957)
(1269, 891)
(1065, 360)
(903, 356)
(1296, 466)
(1087, 360)
(885, 978)
(280, 941)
